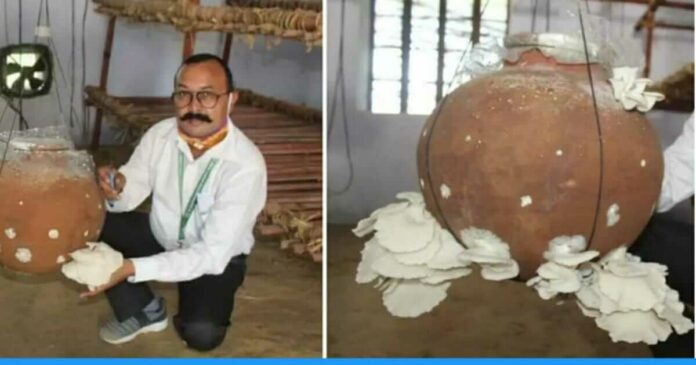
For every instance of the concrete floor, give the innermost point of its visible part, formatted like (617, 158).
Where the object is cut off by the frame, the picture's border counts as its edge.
(277, 314)
(479, 318)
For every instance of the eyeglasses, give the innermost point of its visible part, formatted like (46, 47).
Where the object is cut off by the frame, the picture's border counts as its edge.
(207, 99)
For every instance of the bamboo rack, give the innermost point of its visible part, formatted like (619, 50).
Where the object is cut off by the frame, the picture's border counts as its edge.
(303, 22)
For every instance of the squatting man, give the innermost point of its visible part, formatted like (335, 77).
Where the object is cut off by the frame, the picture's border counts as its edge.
(208, 184)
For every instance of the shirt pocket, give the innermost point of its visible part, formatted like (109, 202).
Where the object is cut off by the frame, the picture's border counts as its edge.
(205, 203)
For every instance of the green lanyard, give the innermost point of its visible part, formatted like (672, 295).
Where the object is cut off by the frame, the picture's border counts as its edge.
(193, 199)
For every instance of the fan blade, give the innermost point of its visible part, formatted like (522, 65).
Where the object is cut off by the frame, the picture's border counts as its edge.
(18, 85)
(40, 65)
(12, 68)
(35, 83)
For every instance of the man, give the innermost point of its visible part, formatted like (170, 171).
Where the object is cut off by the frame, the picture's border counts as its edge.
(208, 184)
(670, 242)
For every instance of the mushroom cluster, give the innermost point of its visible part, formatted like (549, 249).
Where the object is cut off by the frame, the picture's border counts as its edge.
(628, 298)
(630, 90)
(412, 259)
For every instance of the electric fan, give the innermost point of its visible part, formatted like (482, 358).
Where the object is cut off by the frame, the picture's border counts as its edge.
(25, 70)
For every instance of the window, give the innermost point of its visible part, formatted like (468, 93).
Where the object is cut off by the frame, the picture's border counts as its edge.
(416, 46)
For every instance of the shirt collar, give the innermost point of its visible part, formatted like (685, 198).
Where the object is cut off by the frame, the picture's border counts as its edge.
(222, 150)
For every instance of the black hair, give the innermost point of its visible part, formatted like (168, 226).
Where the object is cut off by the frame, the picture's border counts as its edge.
(205, 57)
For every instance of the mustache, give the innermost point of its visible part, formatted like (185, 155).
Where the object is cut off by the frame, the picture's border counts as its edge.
(191, 116)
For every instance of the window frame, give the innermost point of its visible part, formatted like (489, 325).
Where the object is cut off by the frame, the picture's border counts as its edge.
(406, 47)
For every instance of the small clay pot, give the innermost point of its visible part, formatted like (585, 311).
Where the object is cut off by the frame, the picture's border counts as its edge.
(50, 205)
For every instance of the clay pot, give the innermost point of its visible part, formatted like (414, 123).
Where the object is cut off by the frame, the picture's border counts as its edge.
(50, 205)
(519, 151)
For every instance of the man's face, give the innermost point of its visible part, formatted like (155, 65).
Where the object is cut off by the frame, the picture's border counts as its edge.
(205, 85)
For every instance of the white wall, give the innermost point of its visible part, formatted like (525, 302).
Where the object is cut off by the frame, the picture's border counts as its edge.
(146, 56)
(384, 146)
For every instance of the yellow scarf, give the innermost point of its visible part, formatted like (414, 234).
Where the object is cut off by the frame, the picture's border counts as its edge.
(205, 143)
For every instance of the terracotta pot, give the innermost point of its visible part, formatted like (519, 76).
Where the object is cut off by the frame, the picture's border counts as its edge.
(520, 152)
(50, 205)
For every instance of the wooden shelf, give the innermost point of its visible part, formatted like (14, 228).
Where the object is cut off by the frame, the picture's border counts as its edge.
(678, 89)
(297, 20)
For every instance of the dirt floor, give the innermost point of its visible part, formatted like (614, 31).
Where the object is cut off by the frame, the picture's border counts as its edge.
(478, 318)
(277, 314)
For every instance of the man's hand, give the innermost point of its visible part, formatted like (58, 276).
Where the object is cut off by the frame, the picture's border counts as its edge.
(123, 272)
(111, 193)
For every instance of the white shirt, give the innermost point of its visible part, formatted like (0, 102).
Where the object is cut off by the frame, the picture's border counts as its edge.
(678, 180)
(220, 227)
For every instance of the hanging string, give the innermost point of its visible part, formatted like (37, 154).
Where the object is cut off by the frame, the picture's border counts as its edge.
(85, 120)
(460, 62)
(72, 64)
(22, 122)
(598, 124)
(340, 86)
(14, 119)
(7, 28)
(436, 117)
(534, 12)
(548, 15)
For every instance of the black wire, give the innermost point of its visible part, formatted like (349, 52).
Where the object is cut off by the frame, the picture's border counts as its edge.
(340, 80)
(57, 63)
(432, 128)
(22, 122)
(7, 28)
(599, 128)
(72, 61)
(38, 19)
(534, 11)
(460, 63)
(548, 15)
(7, 145)
(85, 121)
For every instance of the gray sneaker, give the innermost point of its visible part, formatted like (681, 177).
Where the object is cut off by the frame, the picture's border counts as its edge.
(153, 318)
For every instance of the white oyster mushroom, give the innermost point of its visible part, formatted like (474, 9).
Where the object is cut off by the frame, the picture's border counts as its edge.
(53, 234)
(587, 311)
(411, 298)
(632, 292)
(613, 215)
(634, 327)
(422, 256)
(405, 232)
(525, 200)
(448, 255)
(553, 279)
(569, 251)
(23, 255)
(445, 191)
(441, 276)
(500, 271)
(93, 265)
(10, 233)
(671, 311)
(370, 254)
(630, 90)
(388, 266)
(631, 300)
(366, 226)
(484, 247)
(411, 196)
